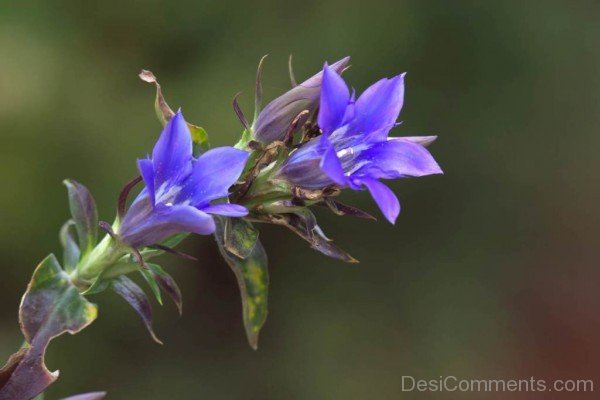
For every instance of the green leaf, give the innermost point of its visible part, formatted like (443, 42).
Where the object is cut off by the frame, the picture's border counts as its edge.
(51, 306)
(253, 280)
(71, 252)
(137, 299)
(240, 237)
(83, 210)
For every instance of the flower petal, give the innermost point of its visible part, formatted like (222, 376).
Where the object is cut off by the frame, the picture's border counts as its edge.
(212, 175)
(335, 97)
(228, 210)
(379, 106)
(396, 158)
(146, 168)
(164, 221)
(302, 168)
(422, 140)
(331, 164)
(386, 199)
(172, 153)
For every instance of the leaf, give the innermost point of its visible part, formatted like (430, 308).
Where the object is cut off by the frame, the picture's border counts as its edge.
(13, 362)
(137, 299)
(240, 237)
(165, 113)
(253, 280)
(83, 210)
(149, 278)
(167, 284)
(342, 209)
(71, 252)
(51, 306)
(87, 396)
(304, 223)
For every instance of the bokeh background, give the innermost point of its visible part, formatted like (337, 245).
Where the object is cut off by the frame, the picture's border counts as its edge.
(492, 270)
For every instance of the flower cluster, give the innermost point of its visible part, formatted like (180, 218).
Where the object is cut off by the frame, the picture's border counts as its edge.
(302, 150)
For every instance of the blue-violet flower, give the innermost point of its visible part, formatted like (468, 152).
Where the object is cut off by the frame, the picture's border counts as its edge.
(179, 188)
(354, 149)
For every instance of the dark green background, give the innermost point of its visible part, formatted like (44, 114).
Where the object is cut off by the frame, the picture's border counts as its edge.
(492, 270)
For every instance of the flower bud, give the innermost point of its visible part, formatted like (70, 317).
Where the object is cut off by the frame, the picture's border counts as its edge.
(274, 120)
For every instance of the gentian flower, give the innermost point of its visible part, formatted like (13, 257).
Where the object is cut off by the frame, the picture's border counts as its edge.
(179, 188)
(354, 149)
(274, 120)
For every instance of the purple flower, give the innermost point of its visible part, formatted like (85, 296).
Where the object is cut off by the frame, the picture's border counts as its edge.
(354, 150)
(179, 188)
(274, 120)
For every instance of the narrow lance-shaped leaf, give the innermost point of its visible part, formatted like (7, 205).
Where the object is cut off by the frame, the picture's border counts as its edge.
(137, 299)
(342, 209)
(154, 288)
(253, 280)
(169, 242)
(71, 252)
(165, 282)
(51, 306)
(83, 211)
(165, 113)
(303, 222)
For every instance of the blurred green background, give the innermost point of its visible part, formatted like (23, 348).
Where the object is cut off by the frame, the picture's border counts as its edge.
(490, 272)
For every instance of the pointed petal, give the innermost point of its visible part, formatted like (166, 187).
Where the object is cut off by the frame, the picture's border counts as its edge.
(213, 174)
(164, 221)
(332, 166)
(422, 140)
(146, 168)
(172, 153)
(335, 97)
(228, 210)
(397, 158)
(386, 199)
(379, 106)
